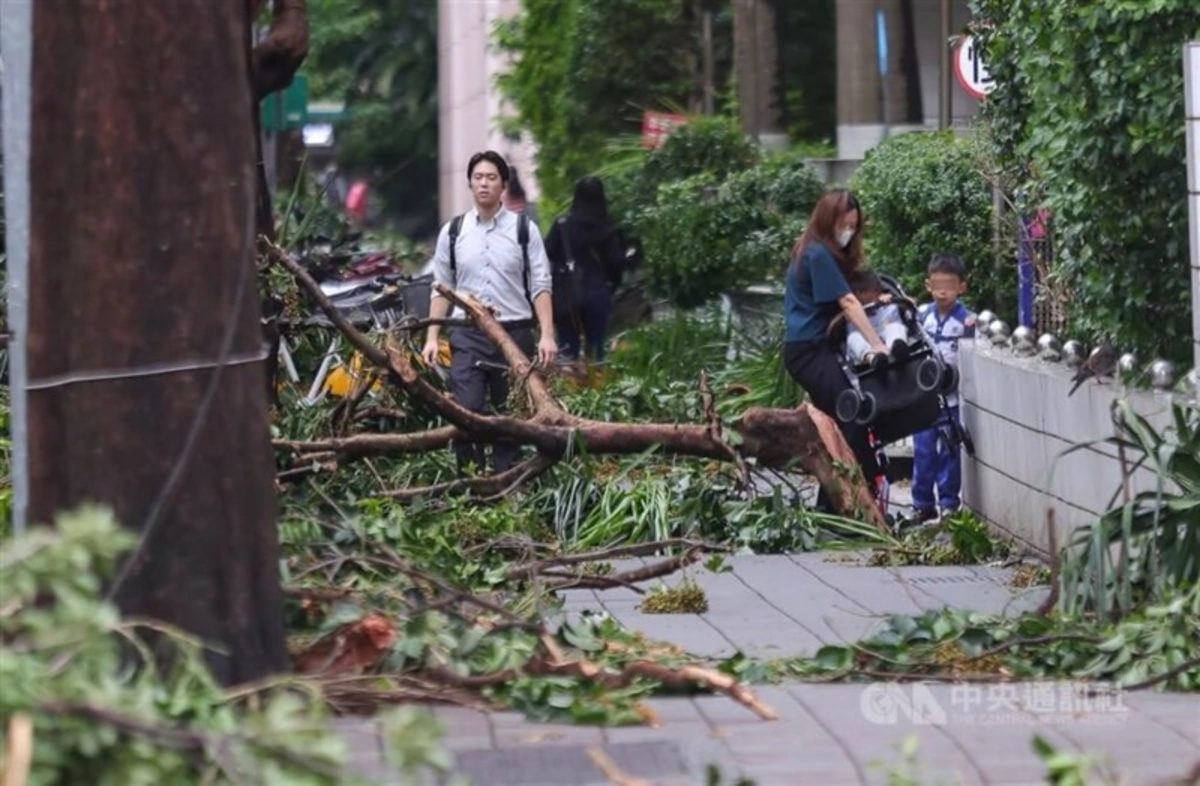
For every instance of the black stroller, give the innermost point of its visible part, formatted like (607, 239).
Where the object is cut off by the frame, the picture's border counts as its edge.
(901, 397)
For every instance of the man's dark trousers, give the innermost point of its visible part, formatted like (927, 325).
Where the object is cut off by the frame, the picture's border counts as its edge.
(479, 382)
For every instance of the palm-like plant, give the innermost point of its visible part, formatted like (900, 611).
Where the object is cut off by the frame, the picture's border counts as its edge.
(1149, 544)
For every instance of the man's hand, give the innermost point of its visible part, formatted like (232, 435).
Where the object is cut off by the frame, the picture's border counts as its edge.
(886, 297)
(879, 347)
(430, 352)
(547, 350)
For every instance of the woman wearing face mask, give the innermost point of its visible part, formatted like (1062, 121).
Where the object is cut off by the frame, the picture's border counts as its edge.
(824, 257)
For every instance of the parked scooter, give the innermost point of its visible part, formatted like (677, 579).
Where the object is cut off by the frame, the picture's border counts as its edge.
(368, 290)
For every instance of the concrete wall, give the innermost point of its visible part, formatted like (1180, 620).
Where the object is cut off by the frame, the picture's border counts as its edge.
(1021, 420)
(469, 103)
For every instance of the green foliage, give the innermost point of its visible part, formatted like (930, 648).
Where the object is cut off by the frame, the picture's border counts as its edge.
(1151, 646)
(584, 72)
(108, 708)
(713, 145)
(716, 232)
(1072, 769)
(960, 539)
(381, 58)
(1148, 547)
(923, 194)
(1088, 107)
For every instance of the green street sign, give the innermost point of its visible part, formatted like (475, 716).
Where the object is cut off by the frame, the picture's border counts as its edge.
(288, 108)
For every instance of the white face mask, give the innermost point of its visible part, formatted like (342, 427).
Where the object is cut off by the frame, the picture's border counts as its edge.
(844, 237)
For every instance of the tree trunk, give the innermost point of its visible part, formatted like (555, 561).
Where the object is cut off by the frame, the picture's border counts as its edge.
(755, 61)
(141, 282)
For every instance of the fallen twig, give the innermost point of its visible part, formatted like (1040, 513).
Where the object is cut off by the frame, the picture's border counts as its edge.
(609, 768)
(712, 680)
(495, 485)
(1193, 663)
(630, 577)
(617, 552)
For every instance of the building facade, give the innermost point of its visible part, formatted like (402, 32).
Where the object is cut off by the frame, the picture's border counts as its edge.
(862, 121)
(469, 102)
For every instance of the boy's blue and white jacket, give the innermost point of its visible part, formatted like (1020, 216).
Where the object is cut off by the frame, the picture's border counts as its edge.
(945, 333)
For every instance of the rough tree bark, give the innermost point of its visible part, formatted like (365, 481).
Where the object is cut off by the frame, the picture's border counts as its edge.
(142, 242)
(273, 64)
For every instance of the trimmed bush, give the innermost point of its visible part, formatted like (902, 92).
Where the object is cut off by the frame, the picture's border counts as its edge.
(703, 237)
(707, 144)
(923, 194)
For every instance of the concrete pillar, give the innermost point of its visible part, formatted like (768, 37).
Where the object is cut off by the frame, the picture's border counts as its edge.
(1191, 86)
(16, 45)
(469, 103)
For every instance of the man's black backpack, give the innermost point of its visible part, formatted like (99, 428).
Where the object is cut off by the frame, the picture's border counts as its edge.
(522, 238)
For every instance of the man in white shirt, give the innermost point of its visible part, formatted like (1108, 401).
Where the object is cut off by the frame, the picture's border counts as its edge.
(488, 262)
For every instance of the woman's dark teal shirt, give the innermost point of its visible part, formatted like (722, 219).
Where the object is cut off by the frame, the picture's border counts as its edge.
(812, 292)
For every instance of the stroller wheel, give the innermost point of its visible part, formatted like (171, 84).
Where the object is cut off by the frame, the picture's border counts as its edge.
(867, 409)
(848, 403)
(950, 380)
(929, 374)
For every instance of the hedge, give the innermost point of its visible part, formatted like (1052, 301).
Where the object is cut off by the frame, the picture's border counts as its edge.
(922, 194)
(1088, 109)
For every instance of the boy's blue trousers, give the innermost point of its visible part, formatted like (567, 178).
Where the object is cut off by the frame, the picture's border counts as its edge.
(935, 464)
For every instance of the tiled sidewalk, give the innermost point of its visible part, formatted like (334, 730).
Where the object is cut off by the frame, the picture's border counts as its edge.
(827, 734)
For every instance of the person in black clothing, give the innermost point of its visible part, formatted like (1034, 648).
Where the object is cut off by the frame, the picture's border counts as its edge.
(586, 259)
(825, 257)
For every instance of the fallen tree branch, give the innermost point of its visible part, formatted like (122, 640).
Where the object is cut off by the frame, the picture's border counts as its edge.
(495, 485)
(617, 552)
(278, 56)
(539, 393)
(362, 445)
(556, 664)
(775, 437)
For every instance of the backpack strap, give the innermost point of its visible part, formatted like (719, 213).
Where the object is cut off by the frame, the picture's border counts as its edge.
(523, 239)
(455, 228)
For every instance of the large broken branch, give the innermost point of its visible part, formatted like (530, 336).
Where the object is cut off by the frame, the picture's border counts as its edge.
(777, 438)
(278, 56)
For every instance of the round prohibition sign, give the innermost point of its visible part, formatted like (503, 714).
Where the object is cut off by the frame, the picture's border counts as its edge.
(970, 69)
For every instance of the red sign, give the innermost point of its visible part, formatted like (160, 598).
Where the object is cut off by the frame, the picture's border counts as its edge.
(657, 126)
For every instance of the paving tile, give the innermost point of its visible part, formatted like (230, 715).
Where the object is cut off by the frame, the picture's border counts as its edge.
(679, 730)
(870, 588)
(535, 734)
(570, 765)
(364, 751)
(675, 709)
(777, 606)
(691, 632)
(823, 611)
(463, 720)
(719, 709)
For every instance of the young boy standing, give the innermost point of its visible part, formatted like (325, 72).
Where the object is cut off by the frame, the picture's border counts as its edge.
(946, 320)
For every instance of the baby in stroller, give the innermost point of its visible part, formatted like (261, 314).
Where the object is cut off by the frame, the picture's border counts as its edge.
(897, 395)
(885, 318)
